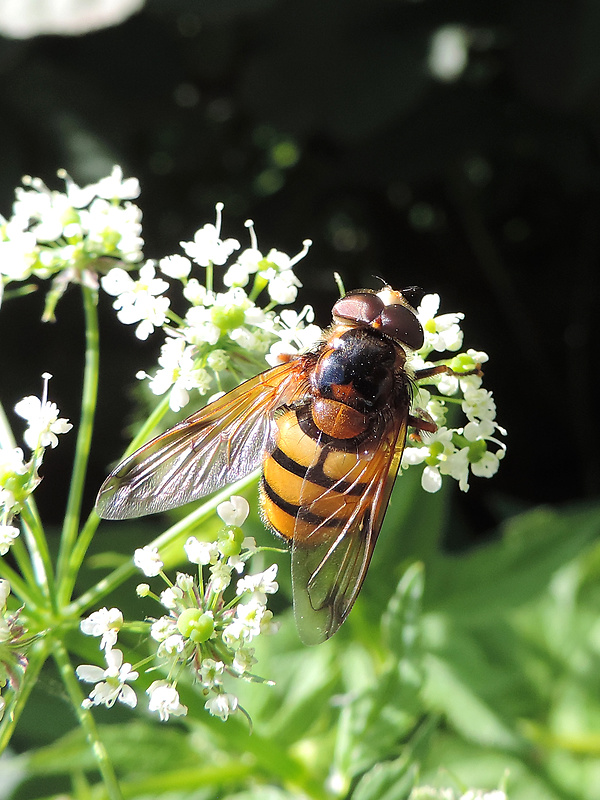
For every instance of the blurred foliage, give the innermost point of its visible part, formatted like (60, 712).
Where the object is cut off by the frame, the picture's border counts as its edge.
(485, 665)
(322, 119)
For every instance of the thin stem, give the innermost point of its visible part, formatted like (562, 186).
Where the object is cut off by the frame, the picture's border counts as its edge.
(24, 585)
(125, 571)
(86, 720)
(36, 658)
(36, 540)
(91, 524)
(38, 549)
(84, 438)
(18, 586)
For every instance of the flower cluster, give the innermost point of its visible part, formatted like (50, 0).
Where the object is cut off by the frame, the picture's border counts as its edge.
(12, 645)
(68, 235)
(454, 452)
(200, 629)
(18, 478)
(217, 335)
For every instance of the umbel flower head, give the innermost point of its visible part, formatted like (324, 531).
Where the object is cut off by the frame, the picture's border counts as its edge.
(201, 632)
(69, 236)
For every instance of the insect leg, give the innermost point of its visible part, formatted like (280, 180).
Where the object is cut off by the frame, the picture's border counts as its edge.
(443, 369)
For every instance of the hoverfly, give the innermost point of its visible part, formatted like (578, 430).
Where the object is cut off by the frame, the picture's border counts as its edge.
(328, 427)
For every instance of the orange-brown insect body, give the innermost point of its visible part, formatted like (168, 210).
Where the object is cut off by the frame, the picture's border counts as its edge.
(314, 478)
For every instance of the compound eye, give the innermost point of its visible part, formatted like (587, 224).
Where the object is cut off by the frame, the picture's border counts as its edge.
(359, 307)
(401, 324)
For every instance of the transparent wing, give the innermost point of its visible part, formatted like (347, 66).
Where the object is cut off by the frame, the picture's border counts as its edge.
(217, 445)
(329, 566)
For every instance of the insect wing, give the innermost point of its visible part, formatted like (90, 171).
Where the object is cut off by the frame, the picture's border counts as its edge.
(329, 566)
(220, 444)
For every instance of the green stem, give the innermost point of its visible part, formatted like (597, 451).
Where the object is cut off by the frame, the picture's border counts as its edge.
(125, 571)
(37, 656)
(21, 556)
(38, 549)
(24, 585)
(86, 720)
(91, 524)
(20, 588)
(82, 451)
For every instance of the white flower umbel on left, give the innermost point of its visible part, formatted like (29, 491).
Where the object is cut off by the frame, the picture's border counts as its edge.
(111, 683)
(70, 236)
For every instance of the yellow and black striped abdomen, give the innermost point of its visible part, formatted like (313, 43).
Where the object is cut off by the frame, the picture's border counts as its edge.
(311, 482)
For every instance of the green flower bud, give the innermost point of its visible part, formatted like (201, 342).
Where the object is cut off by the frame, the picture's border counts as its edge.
(196, 625)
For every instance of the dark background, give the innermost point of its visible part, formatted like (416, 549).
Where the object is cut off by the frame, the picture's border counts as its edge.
(321, 119)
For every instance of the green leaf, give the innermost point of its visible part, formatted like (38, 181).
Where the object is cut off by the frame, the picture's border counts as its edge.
(449, 692)
(401, 621)
(514, 569)
(391, 780)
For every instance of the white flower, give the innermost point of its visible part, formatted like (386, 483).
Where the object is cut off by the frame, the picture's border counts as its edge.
(138, 301)
(283, 288)
(220, 576)
(244, 660)
(148, 561)
(479, 404)
(457, 466)
(162, 628)
(176, 266)
(42, 419)
(431, 480)
(294, 334)
(11, 465)
(8, 534)
(207, 247)
(201, 552)
(221, 705)
(246, 624)
(4, 592)
(172, 645)
(260, 585)
(22, 20)
(112, 229)
(171, 596)
(114, 187)
(18, 255)
(185, 582)
(443, 332)
(211, 673)
(199, 326)
(110, 682)
(234, 511)
(179, 373)
(105, 623)
(248, 263)
(164, 698)
(488, 464)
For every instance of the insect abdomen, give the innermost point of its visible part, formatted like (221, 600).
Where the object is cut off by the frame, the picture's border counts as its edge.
(304, 506)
